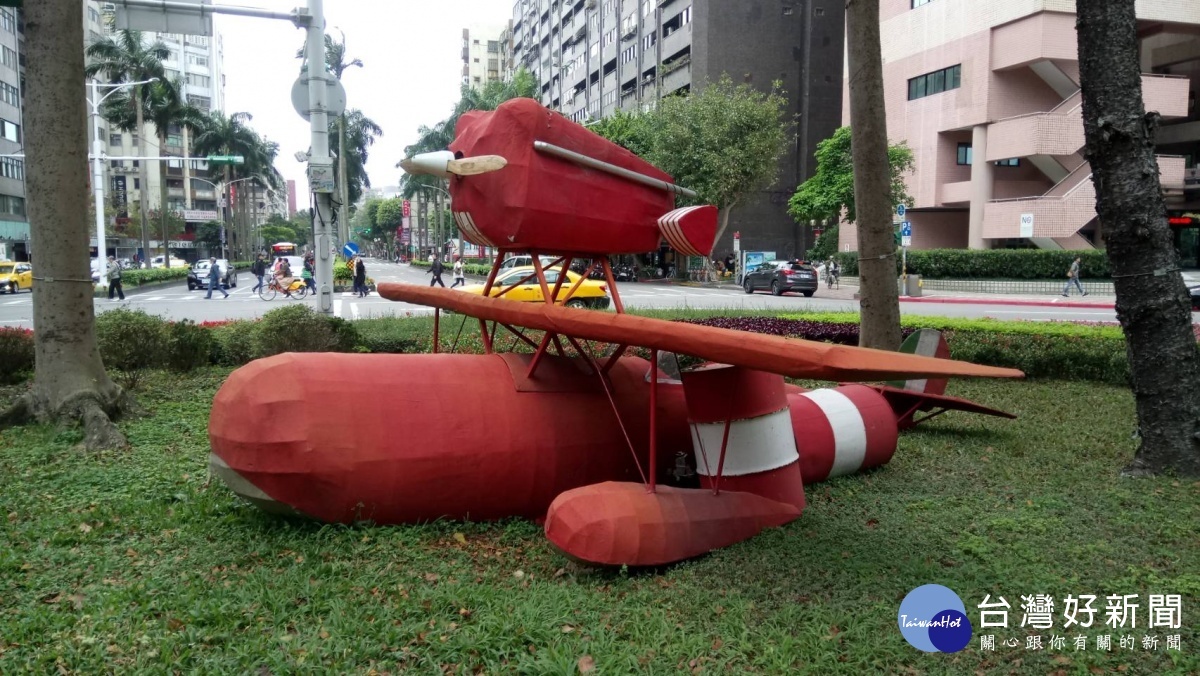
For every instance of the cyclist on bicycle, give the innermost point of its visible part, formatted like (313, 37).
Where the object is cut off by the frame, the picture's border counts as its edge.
(283, 276)
(831, 272)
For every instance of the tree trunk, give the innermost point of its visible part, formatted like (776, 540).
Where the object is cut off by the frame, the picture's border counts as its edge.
(69, 381)
(343, 232)
(162, 196)
(880, 300)
(1152, 303)
(143, 174)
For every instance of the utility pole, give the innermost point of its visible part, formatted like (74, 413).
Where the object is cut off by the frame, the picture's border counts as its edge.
(343, 186)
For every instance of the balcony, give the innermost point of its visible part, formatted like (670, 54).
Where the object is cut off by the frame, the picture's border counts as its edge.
(679, 75)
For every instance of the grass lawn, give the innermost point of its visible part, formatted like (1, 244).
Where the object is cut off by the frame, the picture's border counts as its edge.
(134, 562)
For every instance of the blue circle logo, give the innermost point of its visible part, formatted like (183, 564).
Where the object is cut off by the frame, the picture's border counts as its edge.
(932, 618)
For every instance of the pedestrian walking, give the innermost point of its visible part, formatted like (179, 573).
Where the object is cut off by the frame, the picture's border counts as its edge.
(460, 277)
(114, 279)
(1073, 276)
(214, 278)
(360, 277)
(259, 269)
(436, 270)
(309, 273)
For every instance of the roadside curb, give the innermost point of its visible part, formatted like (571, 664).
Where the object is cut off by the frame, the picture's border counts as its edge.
(1009, 301)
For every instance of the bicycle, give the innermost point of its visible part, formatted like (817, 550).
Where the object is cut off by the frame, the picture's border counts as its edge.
(831, 279)
(297, 289)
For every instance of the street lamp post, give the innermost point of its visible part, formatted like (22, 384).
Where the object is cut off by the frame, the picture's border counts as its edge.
(226, 214)
(98, 166)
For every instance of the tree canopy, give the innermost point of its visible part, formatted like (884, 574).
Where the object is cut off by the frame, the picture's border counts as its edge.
(831, 188)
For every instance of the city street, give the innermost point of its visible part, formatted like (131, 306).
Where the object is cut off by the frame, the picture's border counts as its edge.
(176, 302)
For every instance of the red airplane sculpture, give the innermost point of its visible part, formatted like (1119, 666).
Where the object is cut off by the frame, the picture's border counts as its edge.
(583, 436)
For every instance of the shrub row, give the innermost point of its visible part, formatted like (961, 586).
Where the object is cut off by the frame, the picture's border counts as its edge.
(131, 340)
(1064, 351)
(992, 264)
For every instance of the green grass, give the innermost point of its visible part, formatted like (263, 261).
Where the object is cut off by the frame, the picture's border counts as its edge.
(133, 562)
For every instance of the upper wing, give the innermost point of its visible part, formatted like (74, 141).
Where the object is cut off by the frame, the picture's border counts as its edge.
(787, 356)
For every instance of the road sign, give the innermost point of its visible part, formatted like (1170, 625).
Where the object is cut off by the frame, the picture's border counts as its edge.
(226, 159)
(900, 209)
(351, 249)
(186, 21)
(335, 96)
(906, 233)
(1026, 225)
(406, 209)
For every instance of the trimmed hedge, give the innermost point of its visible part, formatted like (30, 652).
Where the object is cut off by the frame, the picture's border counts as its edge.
(16, 355)
(992, 264)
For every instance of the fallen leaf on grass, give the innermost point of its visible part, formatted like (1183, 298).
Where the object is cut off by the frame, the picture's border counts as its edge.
(460, 538)
(872, 523)
(518, 574)
(85, 528)
(586, 664)
(566, 629)
(174, 624)
(431, 577)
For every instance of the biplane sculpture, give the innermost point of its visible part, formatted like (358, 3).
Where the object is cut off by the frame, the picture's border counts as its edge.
(629, 461)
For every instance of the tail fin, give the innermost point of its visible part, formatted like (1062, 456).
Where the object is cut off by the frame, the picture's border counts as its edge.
(926, 343)
(690, 230)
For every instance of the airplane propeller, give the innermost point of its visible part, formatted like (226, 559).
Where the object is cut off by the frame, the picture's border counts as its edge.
(444, 164)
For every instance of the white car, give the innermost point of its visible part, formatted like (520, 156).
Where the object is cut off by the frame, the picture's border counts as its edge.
(176, 262)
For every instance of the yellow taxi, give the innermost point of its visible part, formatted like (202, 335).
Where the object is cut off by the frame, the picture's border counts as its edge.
(15, 276)
(590, 294)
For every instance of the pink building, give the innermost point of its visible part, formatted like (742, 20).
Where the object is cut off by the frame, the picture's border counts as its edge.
(986, 93)
(291, 187)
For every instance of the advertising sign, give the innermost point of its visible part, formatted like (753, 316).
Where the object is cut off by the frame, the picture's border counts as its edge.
(1026, 225)
(200, 216)
(120, 197)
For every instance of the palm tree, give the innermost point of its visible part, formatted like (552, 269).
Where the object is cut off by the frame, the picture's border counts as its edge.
(164, 107)
(360, 134)
(124, 57)
(222, 134)
(260, 166)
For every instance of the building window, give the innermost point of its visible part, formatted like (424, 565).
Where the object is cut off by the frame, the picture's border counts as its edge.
(93, 15)
(8, 57)
(199, 80)
(137, 182)
(197, 60)
(12, 205)
(687, 16)
(964, 153)
(648, 41)
(114, 139)
(629, 55)
(10, 131)
(10, 22)
(493, 47)
(11, 167)
(201, 102)
(918, 3)
(935, 83)
(1010, 162)
(11, 95)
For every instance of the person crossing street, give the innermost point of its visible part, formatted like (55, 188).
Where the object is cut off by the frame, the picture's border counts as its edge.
(114, 279)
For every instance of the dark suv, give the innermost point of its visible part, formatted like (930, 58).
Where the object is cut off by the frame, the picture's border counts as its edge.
(781, 277)
(197, 277)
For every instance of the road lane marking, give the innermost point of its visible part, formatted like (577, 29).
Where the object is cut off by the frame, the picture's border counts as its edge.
(354, 310)
(337, 308)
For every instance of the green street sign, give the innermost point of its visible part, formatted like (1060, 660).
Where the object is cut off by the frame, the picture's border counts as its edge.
(226, 159)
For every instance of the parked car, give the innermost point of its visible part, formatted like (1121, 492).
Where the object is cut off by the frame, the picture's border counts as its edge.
(1195, 298)
(15, 276)
(781, 277)
(198, 276)
(590, 294)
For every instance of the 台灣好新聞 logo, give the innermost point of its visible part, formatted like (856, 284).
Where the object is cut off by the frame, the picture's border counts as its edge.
(932, 618)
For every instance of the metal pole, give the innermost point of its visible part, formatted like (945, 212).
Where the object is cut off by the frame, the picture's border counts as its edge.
(320, 165)
(98, 187)
(592, 163)
(904, 268)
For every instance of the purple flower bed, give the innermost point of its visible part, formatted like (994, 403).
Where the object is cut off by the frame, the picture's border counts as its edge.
(841, 334)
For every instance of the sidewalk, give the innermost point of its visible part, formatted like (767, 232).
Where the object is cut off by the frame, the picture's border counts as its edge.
(849, 292)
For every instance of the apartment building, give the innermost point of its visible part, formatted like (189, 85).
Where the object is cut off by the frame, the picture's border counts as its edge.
(482, 55)
(14, 225)
(987, 96)
(594, 57)
(197, 61)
